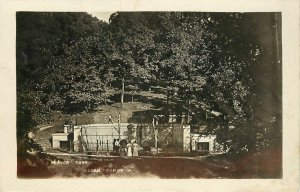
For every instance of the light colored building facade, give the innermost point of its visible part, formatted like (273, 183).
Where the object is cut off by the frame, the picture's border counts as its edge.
(199, 142)
(97, 137)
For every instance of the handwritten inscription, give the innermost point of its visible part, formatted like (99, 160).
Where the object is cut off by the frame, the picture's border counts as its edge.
(60, 162)
(98, 170)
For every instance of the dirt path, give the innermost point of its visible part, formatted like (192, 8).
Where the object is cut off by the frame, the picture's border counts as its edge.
(45, 127)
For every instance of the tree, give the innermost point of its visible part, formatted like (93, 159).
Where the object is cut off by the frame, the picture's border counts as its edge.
(210, 65)
(132, 40)
(51, 74)
(236, 61)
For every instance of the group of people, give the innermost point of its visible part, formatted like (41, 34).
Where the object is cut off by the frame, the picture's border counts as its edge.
(122, 146)
(126, 149)
(132, 149)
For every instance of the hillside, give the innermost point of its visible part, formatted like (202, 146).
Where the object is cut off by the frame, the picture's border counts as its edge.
(130, 112)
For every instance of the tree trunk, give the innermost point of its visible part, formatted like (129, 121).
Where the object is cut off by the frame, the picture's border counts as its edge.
(168, 98)
(172, 127)
(123, 91)
(188, 113)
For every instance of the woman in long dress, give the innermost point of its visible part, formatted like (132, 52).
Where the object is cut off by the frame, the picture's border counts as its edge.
(135, 148)
(129, 149)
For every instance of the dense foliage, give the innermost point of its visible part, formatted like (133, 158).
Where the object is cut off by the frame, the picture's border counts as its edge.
(210, 65)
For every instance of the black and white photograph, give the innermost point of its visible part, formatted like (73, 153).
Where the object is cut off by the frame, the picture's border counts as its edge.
(133, 95)
(149, 94)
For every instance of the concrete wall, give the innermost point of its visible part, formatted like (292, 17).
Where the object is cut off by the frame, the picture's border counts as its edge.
(186, 138)
(68, 128)
(190, 140)
(204, 138)
(55, 144)
(181, 136)
(57, 137)
(77, 139)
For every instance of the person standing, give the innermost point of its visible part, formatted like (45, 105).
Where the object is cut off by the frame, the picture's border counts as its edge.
(135, 149)
(129, 149)
(110, 119)
(123, 147)
(114, 145)
(123, 151)
(117, 145)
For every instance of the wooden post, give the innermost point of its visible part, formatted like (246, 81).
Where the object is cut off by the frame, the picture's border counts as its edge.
(119, 125)
(87, 141)
(97, 146)
(70, 145)
(107, 146)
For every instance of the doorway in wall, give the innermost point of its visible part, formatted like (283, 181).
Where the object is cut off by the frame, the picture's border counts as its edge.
(203, 146)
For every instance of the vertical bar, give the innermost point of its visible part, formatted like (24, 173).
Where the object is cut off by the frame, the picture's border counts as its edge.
(107, 145)
(172, 128)
(119, 125)
(97, 146)
(96, 142)
(102, 143)
(157, 139)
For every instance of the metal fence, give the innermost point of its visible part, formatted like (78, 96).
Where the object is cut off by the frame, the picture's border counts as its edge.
(100, 137)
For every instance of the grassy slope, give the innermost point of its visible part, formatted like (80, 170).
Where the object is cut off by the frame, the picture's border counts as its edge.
(143, 104)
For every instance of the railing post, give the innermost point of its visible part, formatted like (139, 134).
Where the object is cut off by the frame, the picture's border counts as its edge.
(107, 146)
(97, 146)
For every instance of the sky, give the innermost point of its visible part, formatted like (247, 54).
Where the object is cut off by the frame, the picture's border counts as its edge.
(101, 15)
